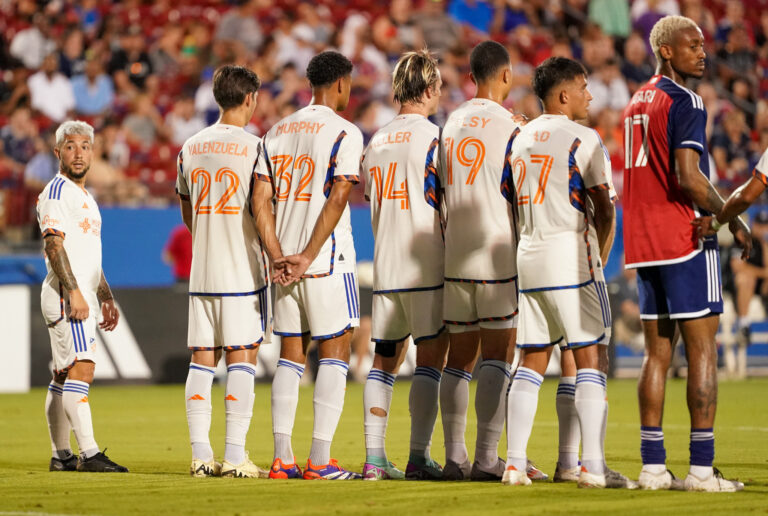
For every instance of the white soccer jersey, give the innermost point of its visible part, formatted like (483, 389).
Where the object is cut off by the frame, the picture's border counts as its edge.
(480, 234)
(302, 156)
(215, 167)
(554, 163)
(399, 166)
(66, 209)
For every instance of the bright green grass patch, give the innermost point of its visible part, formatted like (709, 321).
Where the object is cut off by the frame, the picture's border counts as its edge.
(145, 430)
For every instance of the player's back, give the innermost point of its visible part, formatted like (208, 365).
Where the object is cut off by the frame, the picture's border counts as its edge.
(480, 237)
(401, 183)
(305, 154)
(661, 117)
(215, 168)
(554, 162)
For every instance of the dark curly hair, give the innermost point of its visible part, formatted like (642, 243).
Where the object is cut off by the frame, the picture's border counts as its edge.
(486, 58)
(553, 72)
(327, 67)
(231, 84)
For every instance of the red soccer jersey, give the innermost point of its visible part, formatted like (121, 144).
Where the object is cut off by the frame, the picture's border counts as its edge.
(661, 117)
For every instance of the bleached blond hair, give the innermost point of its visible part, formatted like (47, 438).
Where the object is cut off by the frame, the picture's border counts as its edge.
(71, 127)
(663, 33)
(415, 72)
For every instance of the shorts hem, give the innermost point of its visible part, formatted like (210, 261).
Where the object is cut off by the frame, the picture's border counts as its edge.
(203, 348)
(290, 334)
(680, 315)
(390, 341)
(545, 345)
(418, 340)
(599, 340)
(333, 335)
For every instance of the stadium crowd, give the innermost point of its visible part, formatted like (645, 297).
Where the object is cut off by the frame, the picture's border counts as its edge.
(141, 71)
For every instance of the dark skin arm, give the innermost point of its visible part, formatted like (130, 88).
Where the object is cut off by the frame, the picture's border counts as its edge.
(295, 265)
(108, 308)
(736, 204)
(186, 212)
(57, 257)
(605, 221)
(698, 188)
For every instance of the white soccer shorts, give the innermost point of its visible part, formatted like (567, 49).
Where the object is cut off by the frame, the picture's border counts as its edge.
(570, 317)
(469, 306)
(324, 307)
(229, 322)
(71, 341)
(396, 315)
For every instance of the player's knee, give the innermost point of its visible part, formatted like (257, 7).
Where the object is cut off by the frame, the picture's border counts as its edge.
(82, 371)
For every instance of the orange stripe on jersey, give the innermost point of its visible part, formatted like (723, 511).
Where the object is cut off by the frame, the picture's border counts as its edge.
(760, 176)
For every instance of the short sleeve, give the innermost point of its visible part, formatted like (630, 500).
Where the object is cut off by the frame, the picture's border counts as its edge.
(262, 168)
(181, 181)
(52, 212)
(688, 122)
(761, 169)
(345, 155)
(597, 175)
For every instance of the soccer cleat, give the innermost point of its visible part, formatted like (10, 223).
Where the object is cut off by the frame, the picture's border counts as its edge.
(99, 463)
(656, 481)
(494, 475)
(426, 469)
(57, 464)
(615, 480)
(566, 474)
(330, 471)
(535, 473)
(455, 471)
(513, 477)
(590, 480)
(246, 469)
(280, 470)
(716, 483)
(372, 471)
(201, 469)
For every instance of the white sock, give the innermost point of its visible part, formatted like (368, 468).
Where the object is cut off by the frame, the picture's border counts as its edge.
(454, 402)
(422, 404)
(285, 397)
(522, 402)
(604, 429)
(568, 423)
(377, 397)
(58, 424)
(492, 382)
(78, 410)
(590, 406)
(238, 404)
(330, 387)
(197, 394)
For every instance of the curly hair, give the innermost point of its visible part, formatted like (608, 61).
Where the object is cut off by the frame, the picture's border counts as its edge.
(327, 67)
(415, 72)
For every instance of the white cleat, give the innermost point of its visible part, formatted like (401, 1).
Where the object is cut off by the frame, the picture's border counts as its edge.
(591, 480)
(200, 469)
(513, 477)
(615, 480)
(659, 481)
(245, 470)
(716, 483)
(566, 475)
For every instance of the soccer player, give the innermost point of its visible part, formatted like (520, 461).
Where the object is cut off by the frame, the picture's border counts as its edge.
(308, 164)
(73, 289)
(400, 170)
(665, 187)
(480, 297)
(558, 176)
(227, 287)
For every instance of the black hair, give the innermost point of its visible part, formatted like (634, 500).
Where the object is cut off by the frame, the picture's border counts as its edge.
(486, 59)
(553, 72)
(232, 83)
(327, 67)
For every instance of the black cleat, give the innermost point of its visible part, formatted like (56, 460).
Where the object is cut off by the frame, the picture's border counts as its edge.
(99, 463)
(57, 464)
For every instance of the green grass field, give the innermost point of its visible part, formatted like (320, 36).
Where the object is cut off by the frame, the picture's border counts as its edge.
(145, 429)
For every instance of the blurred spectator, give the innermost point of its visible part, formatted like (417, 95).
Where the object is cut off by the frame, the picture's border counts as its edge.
(33, 44)
(637, 67)
(43, 166)
(165, 54)
(178, 253)
(51, 92)
(316, 19)
(736, 58)
(93, 90)
(183, 122)
(440, 31)
(103, 178)
(144, 124)
(239, 30)
(477, 14)
(608, 88)
(731, 149)
(14, 91)
(72, 55)
(611, 15)
(734, 16)
(130, 66)
(645, 14)
(627, 326)
(18, 141)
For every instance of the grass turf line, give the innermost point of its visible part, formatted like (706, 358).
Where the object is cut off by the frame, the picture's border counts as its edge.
(145, 429)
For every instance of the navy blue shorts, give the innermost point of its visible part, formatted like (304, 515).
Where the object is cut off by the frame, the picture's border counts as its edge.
(683, 290)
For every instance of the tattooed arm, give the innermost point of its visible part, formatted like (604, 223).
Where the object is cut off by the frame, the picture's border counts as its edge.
(57, 257)
(108, 308)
